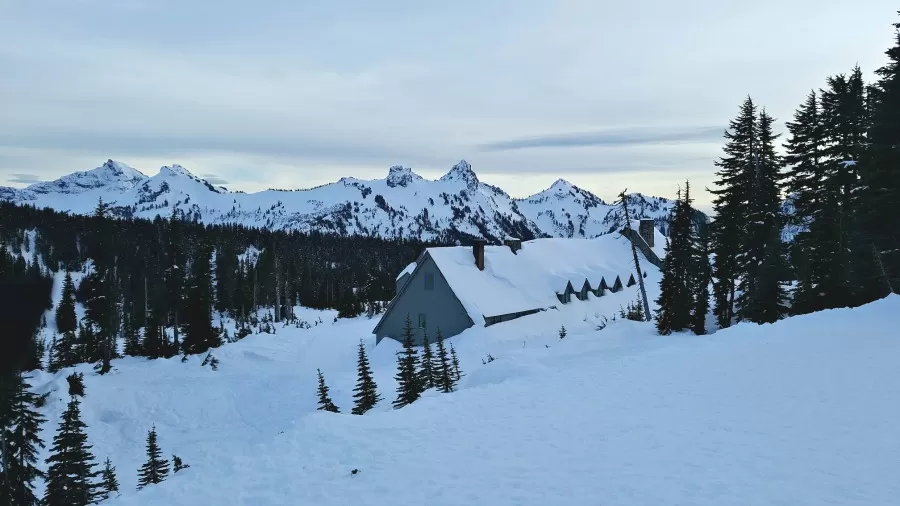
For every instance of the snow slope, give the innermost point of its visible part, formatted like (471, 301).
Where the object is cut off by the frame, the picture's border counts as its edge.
(401, 205)
(802, 412)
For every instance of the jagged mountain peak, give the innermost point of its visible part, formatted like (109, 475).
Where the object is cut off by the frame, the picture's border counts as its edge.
(450, 209)
(462, 171)
(399, 175)
(112, 174)
(177, 170)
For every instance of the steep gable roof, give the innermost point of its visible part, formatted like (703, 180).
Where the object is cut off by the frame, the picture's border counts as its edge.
(530, 279)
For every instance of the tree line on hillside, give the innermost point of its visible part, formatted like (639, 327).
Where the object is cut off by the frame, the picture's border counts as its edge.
(838, 185)
(156, 285)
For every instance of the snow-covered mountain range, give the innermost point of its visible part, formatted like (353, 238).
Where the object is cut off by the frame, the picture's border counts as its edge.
(402, 205)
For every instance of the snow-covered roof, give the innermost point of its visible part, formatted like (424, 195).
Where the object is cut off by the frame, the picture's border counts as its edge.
(531, 278)
(407, 270)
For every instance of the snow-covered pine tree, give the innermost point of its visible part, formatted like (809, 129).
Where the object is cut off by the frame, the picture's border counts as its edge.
(156, 469)
(71, 479)
(20, 423)
(427, 372)
(409, 384)
(562, 332)
(365, 395)
(443, 370)
(109, 484)
(325, 402)
(731, 197)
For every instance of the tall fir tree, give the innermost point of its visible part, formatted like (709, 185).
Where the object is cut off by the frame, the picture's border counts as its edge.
(445, 377)
(20, 425)
(156, 469)
(675, 300)
(365, 395)
(71, 479)
(66, 321)
(198, 333)
(880, 177)
(760, 261)
(805, 187)
(409, 384)
(325, 402)
(731, 197)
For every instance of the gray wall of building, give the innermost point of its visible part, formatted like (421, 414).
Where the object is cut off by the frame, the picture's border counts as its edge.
(439, 305)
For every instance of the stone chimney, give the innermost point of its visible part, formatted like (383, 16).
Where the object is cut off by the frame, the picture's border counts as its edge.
(514, 244)
(647, 231)
(478, 252)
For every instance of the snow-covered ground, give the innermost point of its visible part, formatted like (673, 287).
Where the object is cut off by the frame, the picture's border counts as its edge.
(802, 412)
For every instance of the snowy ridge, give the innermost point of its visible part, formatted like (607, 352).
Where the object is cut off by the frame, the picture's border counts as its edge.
(402, 205)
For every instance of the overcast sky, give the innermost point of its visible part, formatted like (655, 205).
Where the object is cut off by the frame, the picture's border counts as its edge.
(293, 93)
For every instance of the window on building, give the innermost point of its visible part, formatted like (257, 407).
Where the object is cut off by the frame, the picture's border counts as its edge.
(429, 281)
(421, 320)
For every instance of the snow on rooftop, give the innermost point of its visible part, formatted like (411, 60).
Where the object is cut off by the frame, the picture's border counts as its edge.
(407, 270)
(531, 278)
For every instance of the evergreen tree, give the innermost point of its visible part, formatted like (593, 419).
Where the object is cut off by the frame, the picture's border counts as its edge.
(880, 177)
(109, 484)
(427, 372)
(762, 234)
(562, 332)
(702, 278)
(153, 345)
(132, 339)
(805, 186)
(76, 384)
(445, 376)
(675, 300)
(199, 333)
(174, 278)
(66, 321)
(156, 469)
(325, 402)
(409, 385)
(178, 464)
(20, 425)
(735, 178)
(71, 476)
(365, 395)
(457, 374)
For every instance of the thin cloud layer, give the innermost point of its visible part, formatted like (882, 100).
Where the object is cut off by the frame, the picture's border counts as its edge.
(19, 178)
(611, 138)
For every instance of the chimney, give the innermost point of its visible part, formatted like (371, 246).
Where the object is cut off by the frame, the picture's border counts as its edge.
(514, 244)
(478, 251)
(647, 231)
